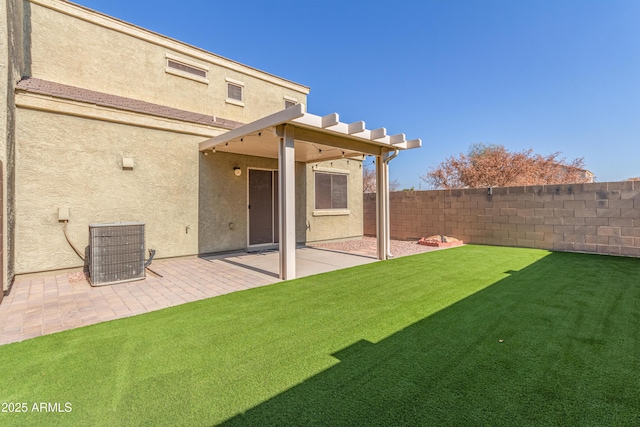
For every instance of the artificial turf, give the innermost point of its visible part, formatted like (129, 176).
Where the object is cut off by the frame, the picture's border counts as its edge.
(410, 341)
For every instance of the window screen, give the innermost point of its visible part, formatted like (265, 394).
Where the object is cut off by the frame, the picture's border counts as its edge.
(234, 92)
(331, 190)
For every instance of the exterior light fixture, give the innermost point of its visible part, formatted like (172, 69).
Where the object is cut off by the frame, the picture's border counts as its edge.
(213, 150)
(237, 171)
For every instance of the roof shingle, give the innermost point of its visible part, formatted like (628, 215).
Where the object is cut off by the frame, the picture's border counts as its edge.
(58, 90)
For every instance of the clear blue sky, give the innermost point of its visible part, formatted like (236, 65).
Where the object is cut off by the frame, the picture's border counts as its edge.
(549, 75)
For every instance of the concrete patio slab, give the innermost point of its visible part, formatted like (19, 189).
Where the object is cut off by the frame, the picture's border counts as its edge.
(46, 304)
(309, 261)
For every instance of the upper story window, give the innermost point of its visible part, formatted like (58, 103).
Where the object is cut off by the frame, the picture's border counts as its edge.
(185, 68)
(235, 92)
(331, 190)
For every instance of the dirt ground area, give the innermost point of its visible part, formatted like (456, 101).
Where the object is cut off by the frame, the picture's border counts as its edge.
(367, 246)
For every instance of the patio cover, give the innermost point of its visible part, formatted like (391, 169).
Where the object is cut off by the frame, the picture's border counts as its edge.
(293, 135)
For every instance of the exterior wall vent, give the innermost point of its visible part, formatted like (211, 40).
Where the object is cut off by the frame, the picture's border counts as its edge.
(116, 253)
(186, 68)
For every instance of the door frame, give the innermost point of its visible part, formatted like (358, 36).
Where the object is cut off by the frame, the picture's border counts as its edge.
(271, 245)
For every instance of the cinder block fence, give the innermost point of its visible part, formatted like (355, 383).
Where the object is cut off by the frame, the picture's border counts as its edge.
(601, 217)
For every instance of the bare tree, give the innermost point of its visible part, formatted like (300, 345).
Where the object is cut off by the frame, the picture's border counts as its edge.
(495, 166)
(369, 180)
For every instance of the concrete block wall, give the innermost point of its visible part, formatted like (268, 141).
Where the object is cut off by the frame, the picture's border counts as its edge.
(599, 217)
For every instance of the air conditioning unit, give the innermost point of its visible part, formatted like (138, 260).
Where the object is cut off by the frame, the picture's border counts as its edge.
(116, 253)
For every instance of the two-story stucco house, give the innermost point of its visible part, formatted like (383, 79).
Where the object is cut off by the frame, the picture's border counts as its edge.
(106, 122)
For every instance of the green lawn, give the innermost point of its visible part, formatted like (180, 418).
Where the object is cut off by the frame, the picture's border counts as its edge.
(413, 340)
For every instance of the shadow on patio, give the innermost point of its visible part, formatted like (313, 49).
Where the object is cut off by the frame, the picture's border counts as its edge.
(44, 304)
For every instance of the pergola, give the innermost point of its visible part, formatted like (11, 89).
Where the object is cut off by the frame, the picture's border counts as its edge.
(293, 135)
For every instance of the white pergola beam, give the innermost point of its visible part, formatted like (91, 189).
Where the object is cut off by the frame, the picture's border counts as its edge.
(280, 117)
(414, 143)
(330, 120)
(328, 126)
(355, 127)
(376, 137)
(333, 140)
(397, 139)
(378, 133)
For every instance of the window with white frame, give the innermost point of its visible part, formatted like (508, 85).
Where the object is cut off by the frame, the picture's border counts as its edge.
(331, 190)
(235, 92)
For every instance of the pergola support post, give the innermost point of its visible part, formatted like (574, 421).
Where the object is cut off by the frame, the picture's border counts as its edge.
(287, 203)
(382, 206)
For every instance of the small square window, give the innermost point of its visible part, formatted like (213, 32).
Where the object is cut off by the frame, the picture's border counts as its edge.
(331, 190)
(234, 91)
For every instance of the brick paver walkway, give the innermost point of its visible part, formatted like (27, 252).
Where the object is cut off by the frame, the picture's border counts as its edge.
(44, 305)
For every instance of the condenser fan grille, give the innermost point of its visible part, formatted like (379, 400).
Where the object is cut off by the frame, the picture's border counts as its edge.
(116, 253)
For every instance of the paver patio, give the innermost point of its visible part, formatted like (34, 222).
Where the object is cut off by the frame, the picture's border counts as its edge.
(46, 304)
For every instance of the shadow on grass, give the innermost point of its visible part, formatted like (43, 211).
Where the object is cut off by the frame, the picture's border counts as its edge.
(555, 343)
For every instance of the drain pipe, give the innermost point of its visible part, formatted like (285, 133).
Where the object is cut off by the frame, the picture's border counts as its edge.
(152, 253)
(385, 162)
(75, 249)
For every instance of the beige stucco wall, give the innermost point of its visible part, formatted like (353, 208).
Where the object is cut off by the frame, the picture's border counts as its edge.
(67, 161)
(223, 200)
(329, 227)
(69, 154)
(223, 224)
(13, 65)
(77, 48)
(4, 135)
(4, 79)
(76, 163)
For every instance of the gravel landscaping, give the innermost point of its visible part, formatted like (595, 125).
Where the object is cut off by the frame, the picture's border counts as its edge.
(367, 246)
